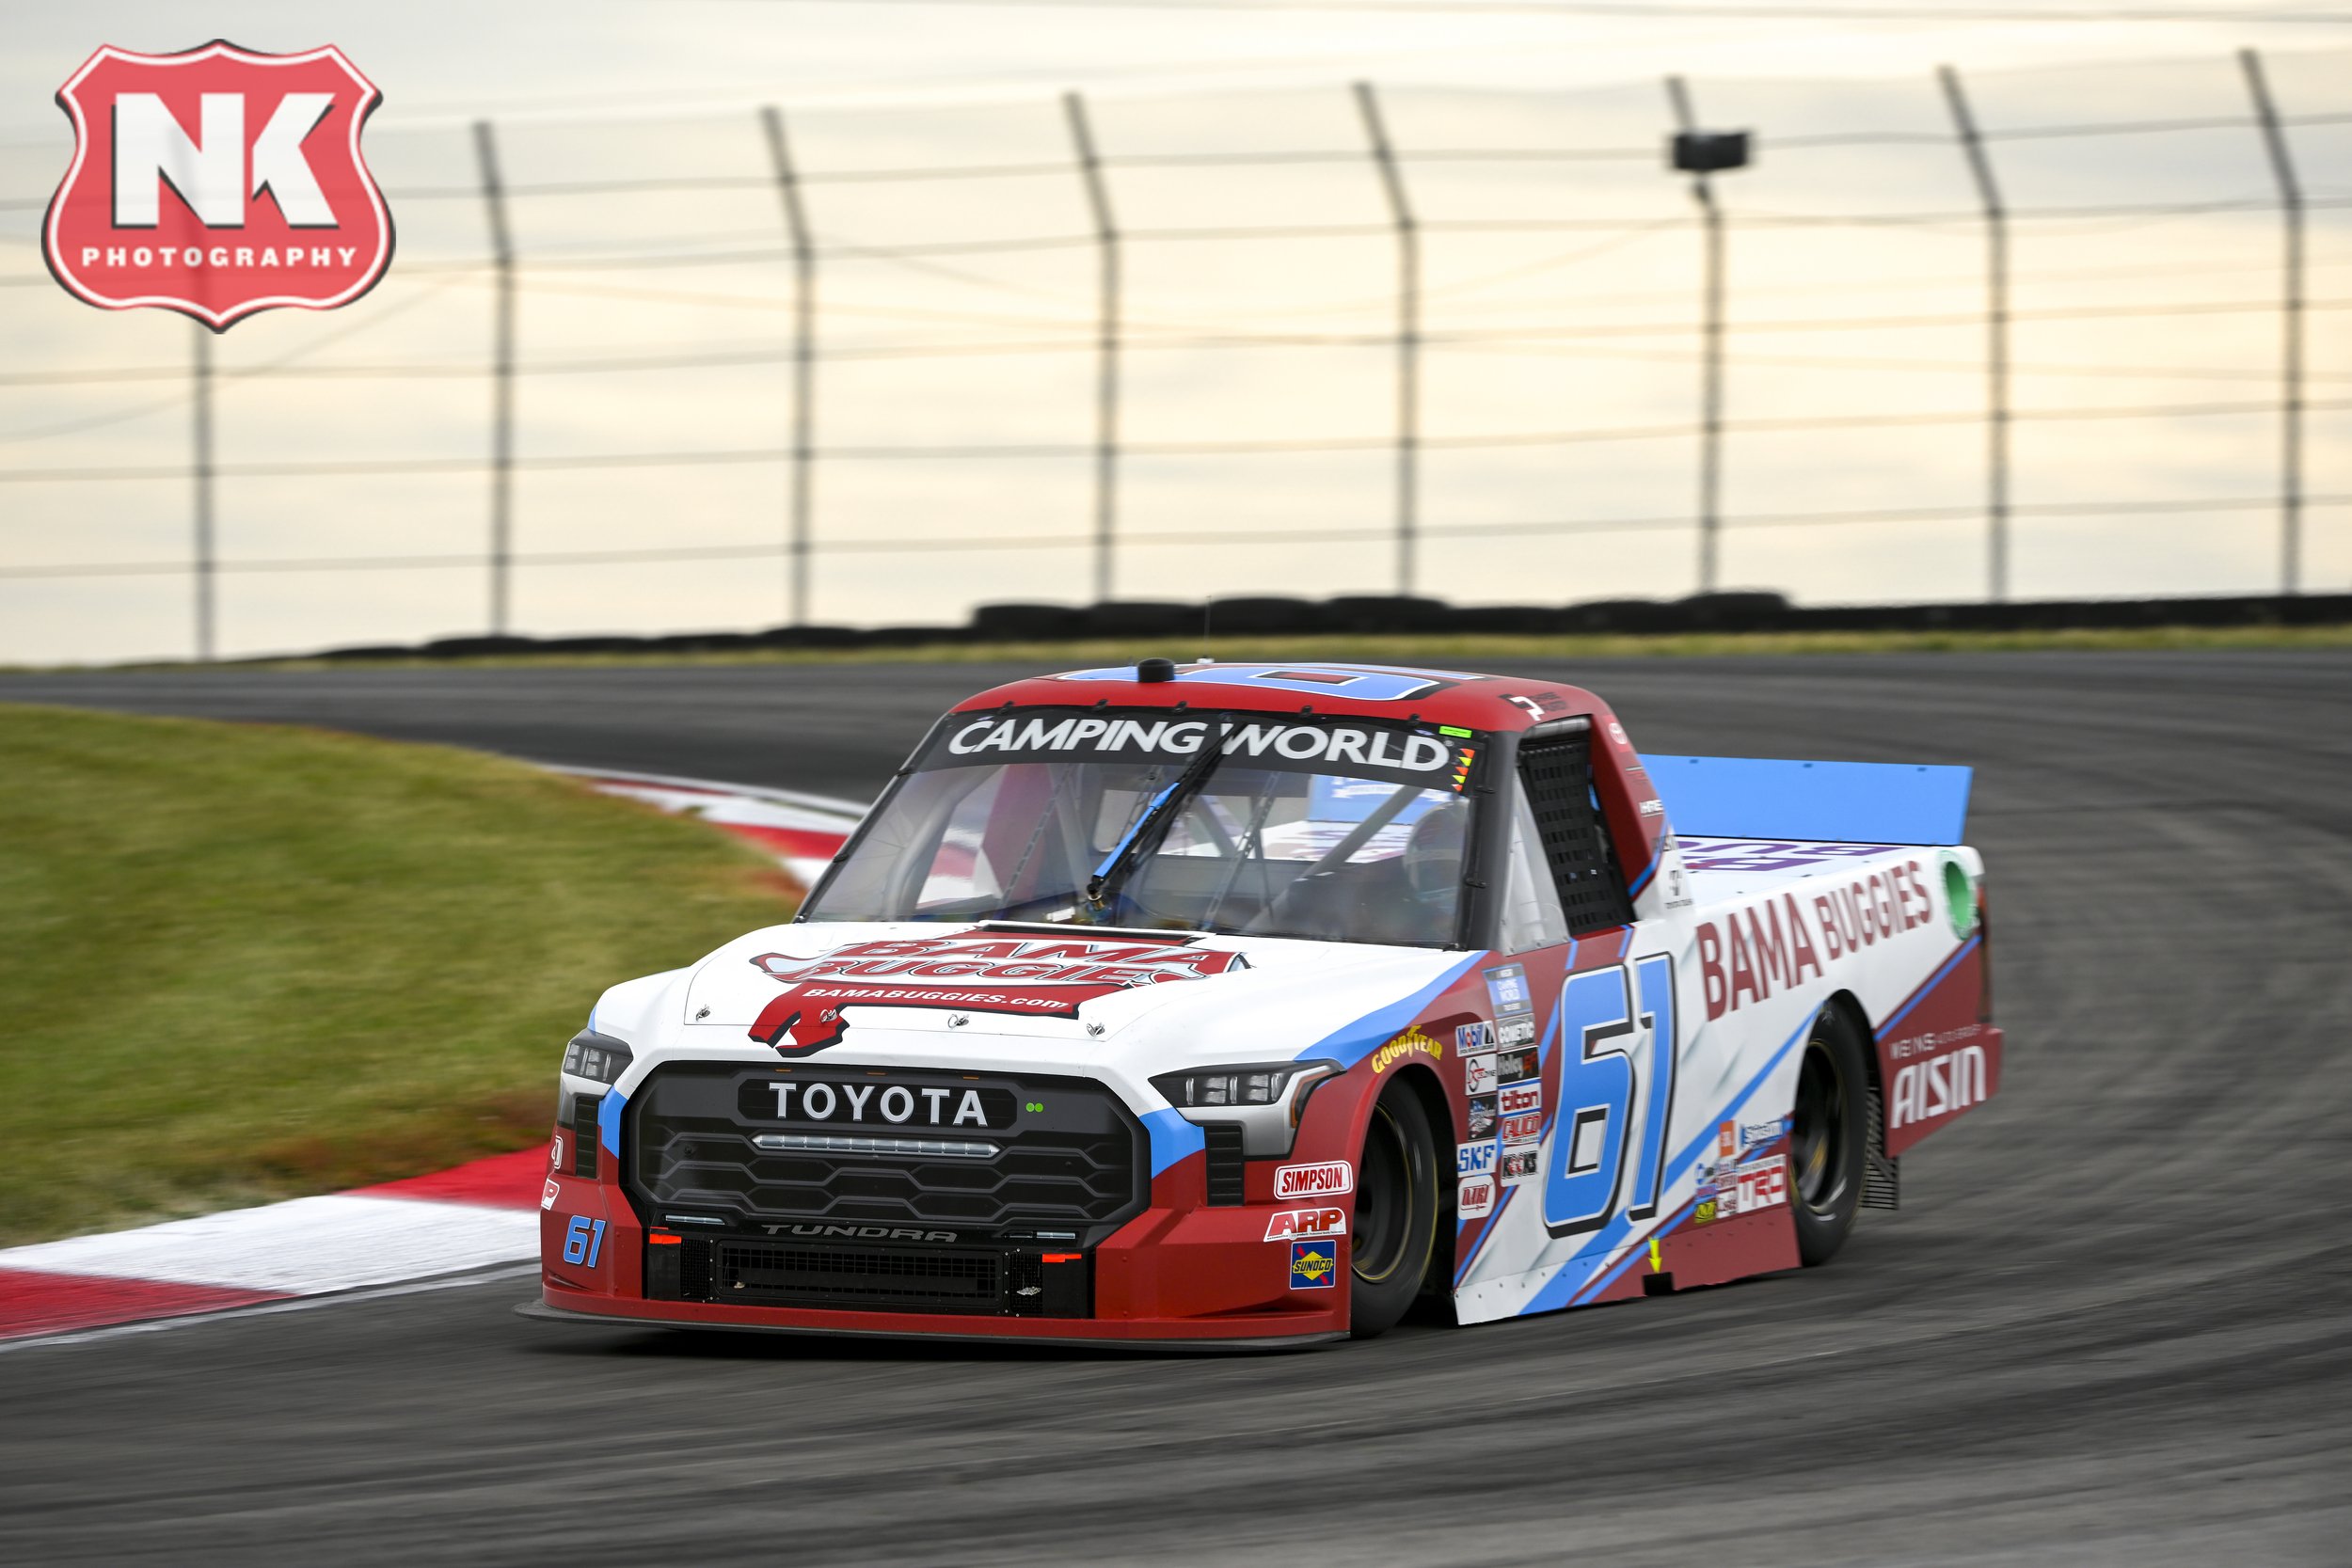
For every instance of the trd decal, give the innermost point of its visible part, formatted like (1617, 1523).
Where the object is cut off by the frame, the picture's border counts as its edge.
(1618, 1053)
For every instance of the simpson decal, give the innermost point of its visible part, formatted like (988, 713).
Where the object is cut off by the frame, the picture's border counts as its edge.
(1328, 1180)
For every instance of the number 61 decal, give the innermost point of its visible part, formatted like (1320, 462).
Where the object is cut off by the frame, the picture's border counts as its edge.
(1616, 1053)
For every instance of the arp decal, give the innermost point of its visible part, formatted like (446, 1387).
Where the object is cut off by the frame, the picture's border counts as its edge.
(1314, 1265)
(1285, 1225)
(1616, 1096)
(1034, 976)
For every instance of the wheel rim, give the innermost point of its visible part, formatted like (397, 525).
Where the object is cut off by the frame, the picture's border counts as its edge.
(1817, 1144)
(1384, 1184)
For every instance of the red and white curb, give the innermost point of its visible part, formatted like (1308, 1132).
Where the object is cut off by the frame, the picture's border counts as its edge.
(802, 831)
(475, 1216)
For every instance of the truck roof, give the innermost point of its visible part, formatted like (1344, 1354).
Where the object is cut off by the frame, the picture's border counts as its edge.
(1506, 703)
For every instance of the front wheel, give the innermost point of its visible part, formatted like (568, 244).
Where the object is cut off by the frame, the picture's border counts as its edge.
(1826, 1136)
(1396, 1212)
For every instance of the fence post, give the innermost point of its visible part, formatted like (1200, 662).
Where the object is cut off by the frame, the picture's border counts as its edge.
(1107, 348)
(1996, 325)
(502, 378)
(2291, 373)
(1712, 350)
(1407, 336)
(803, 357)
(205, 648)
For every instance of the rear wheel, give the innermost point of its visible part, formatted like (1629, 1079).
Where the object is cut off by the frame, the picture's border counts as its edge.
(1825, 1137)
(1396, 1212)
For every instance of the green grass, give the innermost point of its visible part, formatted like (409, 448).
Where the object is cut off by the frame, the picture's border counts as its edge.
(1459, 648)
(242, 962)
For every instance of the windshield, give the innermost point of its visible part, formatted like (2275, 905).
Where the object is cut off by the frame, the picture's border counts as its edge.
(1338, 830)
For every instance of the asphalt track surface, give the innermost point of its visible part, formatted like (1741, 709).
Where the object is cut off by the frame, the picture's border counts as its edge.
(2109, 1326)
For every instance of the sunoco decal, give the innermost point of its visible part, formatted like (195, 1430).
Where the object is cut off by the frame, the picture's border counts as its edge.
(1036, 976)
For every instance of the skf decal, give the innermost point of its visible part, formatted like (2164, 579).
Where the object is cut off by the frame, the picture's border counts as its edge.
(173, 155)
(1314, 1265)
(1406, 1044)
(1476, 1158)
(1926, 1090)
(1327, 1180)
(1287, 1224)
(1034, 976)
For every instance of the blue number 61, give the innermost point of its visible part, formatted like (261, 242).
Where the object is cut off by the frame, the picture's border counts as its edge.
(1606, 1016)
(584, 1238)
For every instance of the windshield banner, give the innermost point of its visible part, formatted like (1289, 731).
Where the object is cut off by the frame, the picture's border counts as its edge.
(1424, 756)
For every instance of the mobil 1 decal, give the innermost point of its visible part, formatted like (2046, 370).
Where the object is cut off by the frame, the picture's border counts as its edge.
(1393, 752)
(1617, 1046)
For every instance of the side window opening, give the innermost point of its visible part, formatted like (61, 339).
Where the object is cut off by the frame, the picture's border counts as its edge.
(1557, 771)
(1532, 916)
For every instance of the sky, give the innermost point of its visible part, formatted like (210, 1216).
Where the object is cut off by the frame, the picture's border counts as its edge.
(957, 314)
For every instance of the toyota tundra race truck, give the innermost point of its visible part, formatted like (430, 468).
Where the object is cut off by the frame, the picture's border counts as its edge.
(1245, 1004)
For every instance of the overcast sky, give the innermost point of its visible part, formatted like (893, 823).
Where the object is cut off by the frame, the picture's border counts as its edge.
(956, 323)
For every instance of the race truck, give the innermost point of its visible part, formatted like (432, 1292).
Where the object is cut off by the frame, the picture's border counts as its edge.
(1252, 1003)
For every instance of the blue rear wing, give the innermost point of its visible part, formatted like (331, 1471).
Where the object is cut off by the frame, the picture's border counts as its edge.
(1833, 802)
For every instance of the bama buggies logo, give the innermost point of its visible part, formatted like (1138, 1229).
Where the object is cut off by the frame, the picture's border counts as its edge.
(217, 182)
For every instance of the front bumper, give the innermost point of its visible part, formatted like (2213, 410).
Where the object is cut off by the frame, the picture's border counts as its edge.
(1169, 1265)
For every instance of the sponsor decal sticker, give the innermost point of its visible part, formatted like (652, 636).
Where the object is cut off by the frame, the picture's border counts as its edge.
(1327, 1180)
(1518, 1165)
(1522, 1129)
(1474, 1198)
(1314, 1265)
(1477, 1159)
(548, 1193)
(1506, 988)
(1033, 976)
(1478, 1074)
(555, 1153)
(1482, 1116)
(217, 182)
(1518, 1063)
(1728, 1140)
(1287, 1224)
(1760, 1184)
(1518, 1031)
(1938, 1087)
(1959, 896)
(1519, 1098)
(1469, 1039)
(1406, 1044)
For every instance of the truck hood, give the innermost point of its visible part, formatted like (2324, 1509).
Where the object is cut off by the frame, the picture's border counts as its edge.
(803, 989)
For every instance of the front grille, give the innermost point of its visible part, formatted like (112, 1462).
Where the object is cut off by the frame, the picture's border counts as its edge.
(851, 1277)
(1064, 1154)
(1001, 1281)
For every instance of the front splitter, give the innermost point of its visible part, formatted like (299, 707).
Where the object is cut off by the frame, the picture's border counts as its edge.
(541, 1311)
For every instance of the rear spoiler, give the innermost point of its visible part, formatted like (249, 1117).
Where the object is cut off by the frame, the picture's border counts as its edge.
(1833, 803)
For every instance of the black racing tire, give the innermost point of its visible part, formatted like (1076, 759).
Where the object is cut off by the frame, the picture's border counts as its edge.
(1395, 1232)
(1827, 1135)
